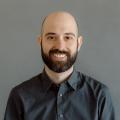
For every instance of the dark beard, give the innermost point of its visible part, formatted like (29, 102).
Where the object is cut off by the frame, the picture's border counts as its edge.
(58, 66)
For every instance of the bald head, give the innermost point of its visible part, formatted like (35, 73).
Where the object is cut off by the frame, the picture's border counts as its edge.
(60, 21)
(59, 41)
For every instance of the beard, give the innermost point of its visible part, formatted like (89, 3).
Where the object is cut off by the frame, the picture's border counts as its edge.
(59, 66)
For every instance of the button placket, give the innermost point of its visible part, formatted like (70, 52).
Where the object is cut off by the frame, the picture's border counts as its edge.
(60, 103)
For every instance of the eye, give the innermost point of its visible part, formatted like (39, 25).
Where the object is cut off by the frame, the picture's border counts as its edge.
(50, 37)
(68, 38)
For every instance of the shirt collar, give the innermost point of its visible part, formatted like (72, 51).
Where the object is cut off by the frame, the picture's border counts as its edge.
(72, 80)
(47, 82)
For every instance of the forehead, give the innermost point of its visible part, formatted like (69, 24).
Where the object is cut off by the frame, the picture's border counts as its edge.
(60, 24)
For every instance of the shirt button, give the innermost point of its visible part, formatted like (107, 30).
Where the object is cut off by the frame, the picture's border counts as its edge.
(61, 115)
(61, 94)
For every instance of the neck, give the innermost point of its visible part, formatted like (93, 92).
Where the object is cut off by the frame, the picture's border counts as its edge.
(58, 78)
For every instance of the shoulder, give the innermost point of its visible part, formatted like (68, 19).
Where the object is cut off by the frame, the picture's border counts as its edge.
(29, 86)
(93, 85)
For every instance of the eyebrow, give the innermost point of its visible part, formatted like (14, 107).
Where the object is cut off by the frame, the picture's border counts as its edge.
(70, 34)
(51, 33)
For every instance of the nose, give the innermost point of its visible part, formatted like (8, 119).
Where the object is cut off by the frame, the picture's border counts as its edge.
(60, 44)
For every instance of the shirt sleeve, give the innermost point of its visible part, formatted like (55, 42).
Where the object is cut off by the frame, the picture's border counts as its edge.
(14, 107)
(106, 109)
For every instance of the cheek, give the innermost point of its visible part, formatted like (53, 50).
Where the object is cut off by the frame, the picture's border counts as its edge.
(73, 48)
(72, 43)
(46, 48)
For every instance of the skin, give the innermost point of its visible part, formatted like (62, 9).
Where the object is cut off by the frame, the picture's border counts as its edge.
(59, 31)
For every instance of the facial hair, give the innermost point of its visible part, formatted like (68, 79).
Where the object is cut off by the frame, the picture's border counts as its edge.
(59, 66)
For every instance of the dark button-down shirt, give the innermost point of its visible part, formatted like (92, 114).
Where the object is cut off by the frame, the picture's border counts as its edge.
(80, 97)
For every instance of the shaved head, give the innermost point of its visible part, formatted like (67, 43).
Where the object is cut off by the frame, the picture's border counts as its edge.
(59, 41)
(59, 17)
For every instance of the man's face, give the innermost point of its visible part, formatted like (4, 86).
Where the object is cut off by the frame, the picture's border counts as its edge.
(59, 44)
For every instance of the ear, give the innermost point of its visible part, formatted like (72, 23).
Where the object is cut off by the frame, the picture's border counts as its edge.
(80, 41)
(39, 39)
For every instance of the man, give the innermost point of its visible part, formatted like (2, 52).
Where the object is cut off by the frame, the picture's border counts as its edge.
(60, 92)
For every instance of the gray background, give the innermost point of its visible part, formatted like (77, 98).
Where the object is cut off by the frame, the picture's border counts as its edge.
(20, 54)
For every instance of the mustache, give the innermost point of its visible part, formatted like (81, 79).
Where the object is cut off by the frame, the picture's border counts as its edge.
(58, 51)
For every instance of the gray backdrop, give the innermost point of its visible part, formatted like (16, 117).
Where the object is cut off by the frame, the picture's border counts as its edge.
(20, 55)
